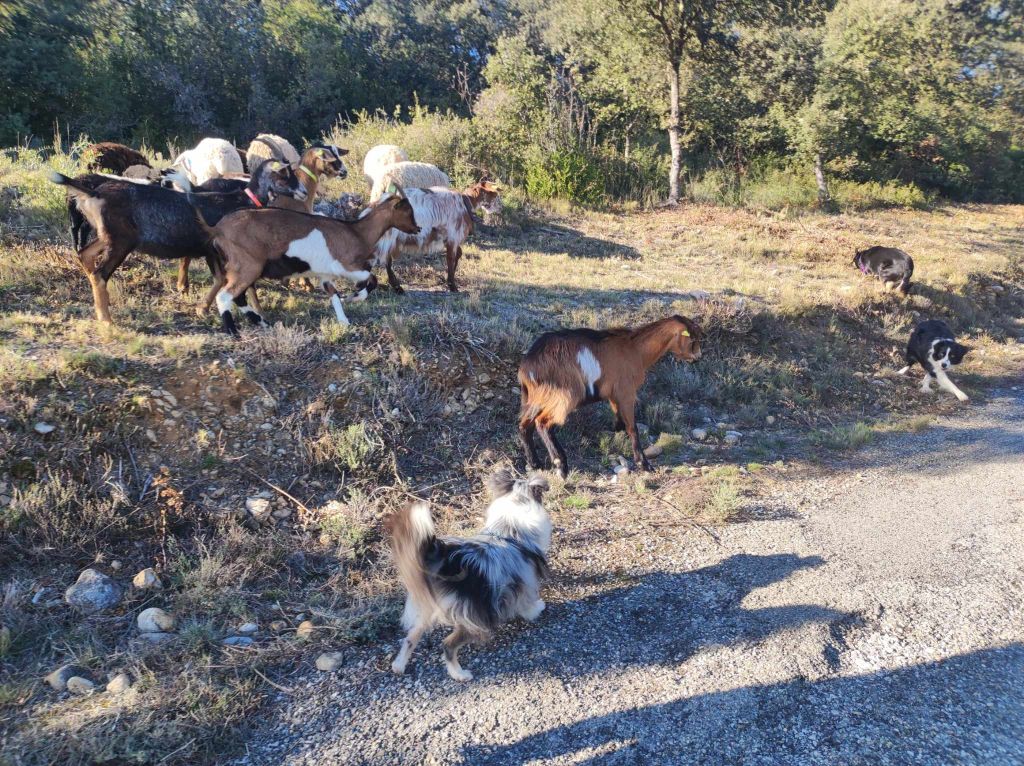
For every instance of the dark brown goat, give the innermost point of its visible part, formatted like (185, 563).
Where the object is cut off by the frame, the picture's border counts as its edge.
(113, 158)
(567, 369)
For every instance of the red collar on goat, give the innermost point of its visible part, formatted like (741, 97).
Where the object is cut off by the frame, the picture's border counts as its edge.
(253, 197)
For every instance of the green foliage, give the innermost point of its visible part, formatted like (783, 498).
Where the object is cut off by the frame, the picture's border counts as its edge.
(567, 175)
(564, 99)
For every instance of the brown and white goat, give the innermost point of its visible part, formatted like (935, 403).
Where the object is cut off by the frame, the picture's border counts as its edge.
(280, 244)
(568, 369)
(161, 222)
(443, 215)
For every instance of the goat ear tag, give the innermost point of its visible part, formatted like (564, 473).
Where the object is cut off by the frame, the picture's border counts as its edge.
(686, 333)
(392, 188)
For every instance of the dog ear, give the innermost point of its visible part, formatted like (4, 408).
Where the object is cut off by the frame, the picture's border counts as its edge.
(538, 485)
(501, 483)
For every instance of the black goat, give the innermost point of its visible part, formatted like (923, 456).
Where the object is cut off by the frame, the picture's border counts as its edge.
(160, 222)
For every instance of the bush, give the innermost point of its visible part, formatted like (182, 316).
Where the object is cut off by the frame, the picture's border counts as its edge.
(568, 175)
(781, 187)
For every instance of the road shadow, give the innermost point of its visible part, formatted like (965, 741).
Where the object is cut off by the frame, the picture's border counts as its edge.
(964, 710)
(655, 619)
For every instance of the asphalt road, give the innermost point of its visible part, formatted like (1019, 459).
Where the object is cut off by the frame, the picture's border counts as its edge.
(871, 615)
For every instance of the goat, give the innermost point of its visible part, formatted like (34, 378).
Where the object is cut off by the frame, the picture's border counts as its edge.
(267, 146)
(318, 161)
(280, 244)
(129, 216)
(379, 157)
(568, 369)
(112, 157)
(211, 158)
(444, 216)
(408, 175)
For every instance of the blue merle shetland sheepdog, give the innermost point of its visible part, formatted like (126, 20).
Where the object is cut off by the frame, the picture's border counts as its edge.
(472, 584)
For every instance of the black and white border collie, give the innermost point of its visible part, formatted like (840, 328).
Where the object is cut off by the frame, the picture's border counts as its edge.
(893, 266)
(933, 346)
(473, 584)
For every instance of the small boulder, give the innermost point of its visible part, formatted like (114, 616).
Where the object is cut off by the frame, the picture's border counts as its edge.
(58, 679)
(155, 620)
(239, 641)
(700, 434)
(93, 592)
(79, 685)
(732, 437)
(305, 630)
(259, 508)
(119, 684)
(146, 579)
(44, 428)
(770, 420)
(653, 451)
(278, 626)
(248, 628)
(328, 662)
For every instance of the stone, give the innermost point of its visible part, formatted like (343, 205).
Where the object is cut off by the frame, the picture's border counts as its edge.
(653, 451)
(58, 679)
(170, 398)
(278, 626)
(770, 420)
(146, 579)
(93, 592)
(305, 630)
(119, 684)
(239, 641)
(43, 428)
(620, 470)
(732, 437)
(116, 565)
(700, 434)
(328, 662)
(155, 620)
(259, 508)
(247, 628)
(281, 513)
(79, 685)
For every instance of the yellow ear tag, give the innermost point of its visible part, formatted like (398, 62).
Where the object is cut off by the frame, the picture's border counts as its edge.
(392, 188)
(276, 166)
(686, 333)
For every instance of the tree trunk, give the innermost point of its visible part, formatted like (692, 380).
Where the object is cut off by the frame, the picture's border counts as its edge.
(824, 199)
(673, 134)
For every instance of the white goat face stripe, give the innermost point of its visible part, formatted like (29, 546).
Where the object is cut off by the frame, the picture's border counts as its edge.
(591, 369)
(314, 251)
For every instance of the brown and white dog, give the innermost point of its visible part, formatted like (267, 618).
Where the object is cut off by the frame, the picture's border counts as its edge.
(473, 584)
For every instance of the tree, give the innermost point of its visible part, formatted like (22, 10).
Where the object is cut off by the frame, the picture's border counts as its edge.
(679, 31)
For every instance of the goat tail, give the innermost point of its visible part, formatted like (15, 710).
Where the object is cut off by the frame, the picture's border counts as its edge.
(209, 231)
(412, 534)
(74, 187)
(552, 401)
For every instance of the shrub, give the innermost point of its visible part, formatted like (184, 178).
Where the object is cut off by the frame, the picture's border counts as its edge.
(564, 174)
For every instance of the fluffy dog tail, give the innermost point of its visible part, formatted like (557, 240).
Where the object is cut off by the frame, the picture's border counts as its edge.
(412, 535)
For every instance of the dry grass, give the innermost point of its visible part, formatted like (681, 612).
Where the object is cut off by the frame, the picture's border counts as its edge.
(416, 398)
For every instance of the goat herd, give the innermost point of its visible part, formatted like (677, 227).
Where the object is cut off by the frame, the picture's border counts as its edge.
(262, 225)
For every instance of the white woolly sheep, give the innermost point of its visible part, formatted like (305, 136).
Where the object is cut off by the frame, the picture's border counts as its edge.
(379, 157)
(267, 146)
(409, 175)
(211, 158)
